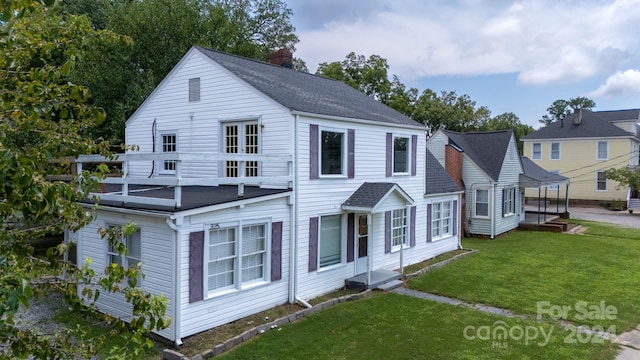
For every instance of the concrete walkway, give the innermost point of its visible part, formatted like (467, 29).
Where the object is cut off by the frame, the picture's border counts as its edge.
(629, 341)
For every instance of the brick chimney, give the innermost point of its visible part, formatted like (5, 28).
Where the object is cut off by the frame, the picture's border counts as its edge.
(282, 57)
(453, 163)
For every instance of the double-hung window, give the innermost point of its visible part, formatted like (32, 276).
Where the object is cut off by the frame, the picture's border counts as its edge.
(398, 229)
(508, 201)
(536, 151)
(481, 203)
(441, 219)
(401, 155)
(169, 145)
(554, 154)
(603, 150)
(133, 255)
(235, 256)
(332, 152)
(601, 181)
(330, 248)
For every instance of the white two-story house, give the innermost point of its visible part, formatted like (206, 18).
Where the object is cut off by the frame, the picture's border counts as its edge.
(256, 185)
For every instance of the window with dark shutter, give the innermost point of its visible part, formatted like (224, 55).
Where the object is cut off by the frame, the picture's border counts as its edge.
(387, 232)
(276, 251)
(196, 249)
(412, 228)
(429, 219)
(455, 217)
(351, 229)
(313, 244)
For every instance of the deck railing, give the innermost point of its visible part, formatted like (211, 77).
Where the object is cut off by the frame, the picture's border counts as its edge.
(177, 180)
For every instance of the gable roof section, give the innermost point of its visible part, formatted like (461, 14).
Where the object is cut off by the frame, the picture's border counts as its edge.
(592, 125)
(619, 115)
(535, 176)
(370, 194)
(486, 149)
(307, 93)
(438, 180)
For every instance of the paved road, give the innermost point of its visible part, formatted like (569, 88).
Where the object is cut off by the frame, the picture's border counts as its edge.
(622, 218)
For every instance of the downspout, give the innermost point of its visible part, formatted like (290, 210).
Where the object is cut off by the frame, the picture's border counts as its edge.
(459, 225)
(293, 232)
(493, 211)
(174, 223)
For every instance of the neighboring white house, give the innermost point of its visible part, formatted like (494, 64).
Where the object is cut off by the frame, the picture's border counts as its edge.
(256, 185)
(487, 165)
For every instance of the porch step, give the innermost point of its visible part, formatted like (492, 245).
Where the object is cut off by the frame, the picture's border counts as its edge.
(378, 277)
(390, 285)
(634, 204)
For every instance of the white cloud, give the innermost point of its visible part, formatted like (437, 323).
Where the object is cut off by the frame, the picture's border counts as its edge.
(620, 83)
(545, 42)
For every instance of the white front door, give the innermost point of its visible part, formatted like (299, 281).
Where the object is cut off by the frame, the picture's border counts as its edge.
(362, 245)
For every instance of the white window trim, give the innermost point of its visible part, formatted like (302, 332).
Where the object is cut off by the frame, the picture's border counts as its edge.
(443, 235)
(238, 285)
(343, 174)
(606, 183)
(551, 151)
(393, 153)
(240, 123)
(598, 149)
(512, 191)
(405, 239)
(489, 197)
(533, 153)
(343, 242)
(162, 134)
(123, 258)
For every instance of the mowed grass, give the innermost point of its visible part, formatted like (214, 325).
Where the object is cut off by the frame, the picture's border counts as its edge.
(520, 269)
(392, 326)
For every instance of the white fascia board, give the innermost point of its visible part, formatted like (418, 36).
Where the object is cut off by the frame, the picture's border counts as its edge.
(359, 121)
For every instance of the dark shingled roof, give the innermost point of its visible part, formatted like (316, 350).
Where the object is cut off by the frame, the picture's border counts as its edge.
(536, 174)
(438, 179)
(487, 148)
(618, 115)
(593, 124)
(309, 93)
(192, 196)
(369, 194)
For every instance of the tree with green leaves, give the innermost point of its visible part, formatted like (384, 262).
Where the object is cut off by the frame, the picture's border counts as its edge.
(625, 177)
(561, 108)
(450, 111)
(44, 119)
(509, 121)
(368, 75)
(162, 31)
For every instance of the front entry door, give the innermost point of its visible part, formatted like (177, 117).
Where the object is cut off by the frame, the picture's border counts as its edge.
(362, 235)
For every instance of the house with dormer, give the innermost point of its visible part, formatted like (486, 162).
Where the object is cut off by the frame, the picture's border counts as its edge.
(256, 185)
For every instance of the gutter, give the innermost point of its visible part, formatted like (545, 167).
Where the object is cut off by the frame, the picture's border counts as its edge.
(359, 121)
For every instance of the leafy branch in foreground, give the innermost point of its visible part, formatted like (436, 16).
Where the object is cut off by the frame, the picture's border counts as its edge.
(44, 117)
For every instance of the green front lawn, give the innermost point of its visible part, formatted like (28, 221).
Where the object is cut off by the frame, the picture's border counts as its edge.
(520, 269)
(392, 326)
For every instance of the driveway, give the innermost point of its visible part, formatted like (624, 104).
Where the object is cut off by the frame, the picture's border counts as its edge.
(622, 218)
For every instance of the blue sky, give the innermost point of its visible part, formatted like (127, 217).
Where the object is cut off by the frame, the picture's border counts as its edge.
(511, 56)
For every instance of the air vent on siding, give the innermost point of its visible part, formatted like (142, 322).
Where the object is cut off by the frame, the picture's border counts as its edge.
(194, 89)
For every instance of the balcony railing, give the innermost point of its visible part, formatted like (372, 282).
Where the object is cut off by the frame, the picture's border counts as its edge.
(177, 180)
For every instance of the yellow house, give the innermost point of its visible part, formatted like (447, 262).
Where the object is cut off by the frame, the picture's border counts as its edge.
(584, 145)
